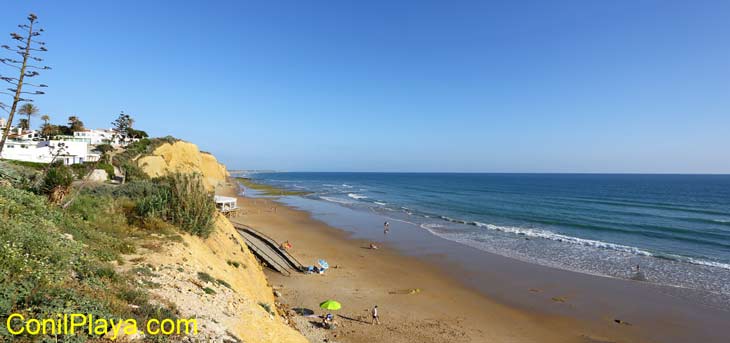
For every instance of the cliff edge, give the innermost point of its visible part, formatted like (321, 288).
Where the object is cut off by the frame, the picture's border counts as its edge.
(184, 157)
(217, 279)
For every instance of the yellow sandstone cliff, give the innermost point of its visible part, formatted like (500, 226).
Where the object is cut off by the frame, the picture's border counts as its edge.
(237, 306)
(184, 157)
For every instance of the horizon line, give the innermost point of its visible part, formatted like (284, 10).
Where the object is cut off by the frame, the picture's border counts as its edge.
(261, 171)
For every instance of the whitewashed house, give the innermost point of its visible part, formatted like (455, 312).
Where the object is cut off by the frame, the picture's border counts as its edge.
(29, 135)
(97, 136)
(67, 151)
(104, 136)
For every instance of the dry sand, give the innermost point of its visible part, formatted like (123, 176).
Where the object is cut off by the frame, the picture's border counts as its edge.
(440, 310)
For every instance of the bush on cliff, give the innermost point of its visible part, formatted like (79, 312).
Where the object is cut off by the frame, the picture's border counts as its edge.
(183, 200)
(17, 176)
(180, 199)
(53, 261)
(58, 175)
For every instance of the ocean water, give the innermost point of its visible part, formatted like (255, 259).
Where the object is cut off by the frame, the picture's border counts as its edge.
(676, 228)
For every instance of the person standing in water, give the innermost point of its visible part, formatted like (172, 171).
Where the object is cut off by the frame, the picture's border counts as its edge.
(386, 228)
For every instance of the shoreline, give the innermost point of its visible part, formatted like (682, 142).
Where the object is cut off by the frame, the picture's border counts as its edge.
(569, 306)
(444, 308)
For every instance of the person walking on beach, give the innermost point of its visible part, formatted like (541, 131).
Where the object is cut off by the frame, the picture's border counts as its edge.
(376, 319)
(386, 228)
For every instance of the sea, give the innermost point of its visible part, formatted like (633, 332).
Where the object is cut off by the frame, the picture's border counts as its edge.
(674, 228)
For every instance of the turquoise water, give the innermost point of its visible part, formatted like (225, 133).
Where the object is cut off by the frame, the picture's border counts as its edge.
(676, 227)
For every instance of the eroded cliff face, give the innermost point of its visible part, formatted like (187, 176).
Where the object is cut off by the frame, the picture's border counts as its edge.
(237, 305)
(184, 157)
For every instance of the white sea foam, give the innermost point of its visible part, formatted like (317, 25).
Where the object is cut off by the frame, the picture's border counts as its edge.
(708, 263)
(336, 200)
(432, 226)
(380, 203)
(356, 196)
(537, 233)
(545, 234)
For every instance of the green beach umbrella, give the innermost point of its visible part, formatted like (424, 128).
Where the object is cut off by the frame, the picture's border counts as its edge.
(330, 305)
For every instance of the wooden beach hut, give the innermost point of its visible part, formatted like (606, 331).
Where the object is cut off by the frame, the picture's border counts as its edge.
(226, 205)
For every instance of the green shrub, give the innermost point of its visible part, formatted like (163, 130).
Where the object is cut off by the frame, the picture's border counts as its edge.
(32, 165)
(44, 270)
(266, 307)
(132, 172)
(191, 206)
(18, 176)
(80, 170)
(182, 199)
(155, 204)
(100, 223)
(223, 283)
(203, 276)
(108, 168)
(134, 149)
(58, 175)
(208, 290)
(104, 148)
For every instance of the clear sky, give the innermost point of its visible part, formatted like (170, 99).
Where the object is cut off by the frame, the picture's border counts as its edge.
(494, 86)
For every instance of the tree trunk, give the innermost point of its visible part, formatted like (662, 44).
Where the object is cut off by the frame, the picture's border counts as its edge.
(6, 132)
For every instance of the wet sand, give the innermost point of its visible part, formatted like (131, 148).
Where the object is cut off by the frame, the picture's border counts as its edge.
(418, 300)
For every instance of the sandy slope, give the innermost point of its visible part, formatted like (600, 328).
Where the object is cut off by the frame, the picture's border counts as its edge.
(235, 309)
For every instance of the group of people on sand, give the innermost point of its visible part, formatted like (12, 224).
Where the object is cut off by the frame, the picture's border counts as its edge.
(328, 320)
(386, 230)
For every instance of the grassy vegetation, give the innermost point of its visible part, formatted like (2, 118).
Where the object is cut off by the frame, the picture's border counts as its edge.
(178, 199)
(62, 260)
(205, 277)
(266, 189)
(223, 283)
(182, 200)
(32, 165)
(18, 176)
(58, 261)
(82, 169)
(266, 307)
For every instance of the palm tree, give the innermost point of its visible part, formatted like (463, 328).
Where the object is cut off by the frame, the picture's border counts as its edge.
(23, 124)
(75, 124)
(28, 110)
(46, 129)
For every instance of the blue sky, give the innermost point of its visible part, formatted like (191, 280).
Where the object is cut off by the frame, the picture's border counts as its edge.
(508, 86)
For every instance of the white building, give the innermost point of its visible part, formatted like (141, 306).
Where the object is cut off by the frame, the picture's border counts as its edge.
(19, 134)
(104, 136)
(97, 136)
(68, 151)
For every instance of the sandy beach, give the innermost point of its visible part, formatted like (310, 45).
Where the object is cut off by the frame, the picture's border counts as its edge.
(417, 301)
